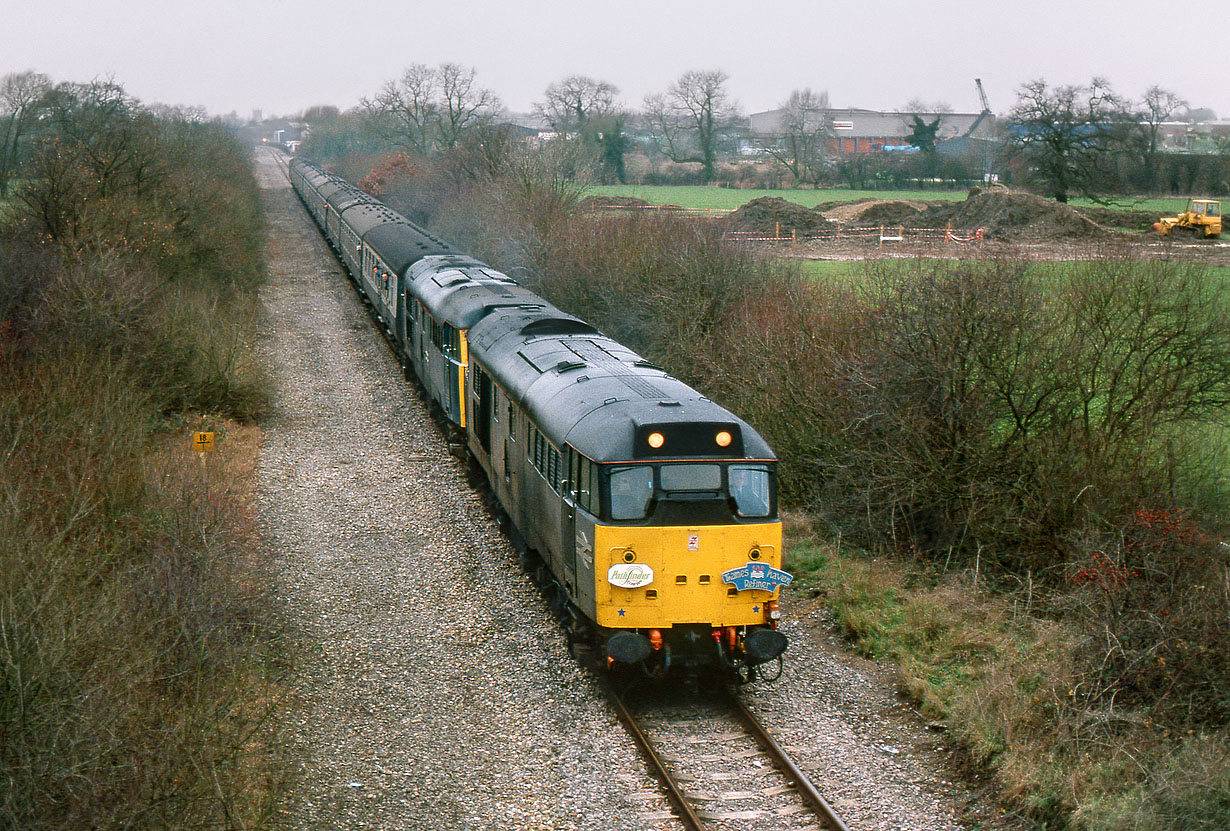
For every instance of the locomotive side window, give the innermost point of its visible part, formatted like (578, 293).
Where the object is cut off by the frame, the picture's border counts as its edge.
(584, 477)
(631, 492)
(750, 488)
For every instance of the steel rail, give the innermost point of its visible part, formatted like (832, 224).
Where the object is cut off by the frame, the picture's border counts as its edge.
(787, 766)
(683, 808)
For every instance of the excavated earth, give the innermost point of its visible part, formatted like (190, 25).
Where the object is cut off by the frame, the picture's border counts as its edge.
(773, 215)
(1006, 215)
(1012, 223)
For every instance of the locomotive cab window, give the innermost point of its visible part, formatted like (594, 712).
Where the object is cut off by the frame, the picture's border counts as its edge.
(631, 492)
(690, 478)
(750, 488)
(635, 492)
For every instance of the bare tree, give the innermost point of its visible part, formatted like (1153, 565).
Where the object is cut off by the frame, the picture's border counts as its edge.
(1157, 107)
(1068, 135)
(320, 112)
(404, 110)
(20, 94)
(583, 108)
(688, 120)
(572, 102)
(462, 103)
(917, 106)
(803, 144)
(1160, 105)
(429, 108)
(665, 128)
(700, 98)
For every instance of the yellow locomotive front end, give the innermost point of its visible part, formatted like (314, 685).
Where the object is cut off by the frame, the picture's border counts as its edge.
(687, 566)
(663, 576)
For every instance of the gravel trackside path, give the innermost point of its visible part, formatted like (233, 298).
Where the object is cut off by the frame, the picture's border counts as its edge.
(430, 687)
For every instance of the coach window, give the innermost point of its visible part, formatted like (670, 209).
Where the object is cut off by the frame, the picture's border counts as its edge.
(631, 492)
(750, 488)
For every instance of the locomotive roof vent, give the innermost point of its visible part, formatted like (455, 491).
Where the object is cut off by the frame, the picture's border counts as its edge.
(669, 404)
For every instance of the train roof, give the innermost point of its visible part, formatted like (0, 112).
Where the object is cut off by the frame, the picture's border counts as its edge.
(583, 389)
(401, 243)
(460, 291)
(348, 196)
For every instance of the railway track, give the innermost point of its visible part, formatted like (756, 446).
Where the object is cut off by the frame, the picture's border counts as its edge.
(717, 764)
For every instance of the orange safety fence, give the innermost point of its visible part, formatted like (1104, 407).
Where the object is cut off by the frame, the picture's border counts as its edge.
(879, 233)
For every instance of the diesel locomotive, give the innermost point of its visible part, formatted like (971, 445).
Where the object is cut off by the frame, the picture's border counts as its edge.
(651, 510)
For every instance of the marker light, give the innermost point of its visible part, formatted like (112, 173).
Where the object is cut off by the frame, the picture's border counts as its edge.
(655, 639)
(723, 439)
(656, 440)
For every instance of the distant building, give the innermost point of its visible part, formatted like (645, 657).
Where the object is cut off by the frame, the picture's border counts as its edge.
(862, 132)
(1188, 137)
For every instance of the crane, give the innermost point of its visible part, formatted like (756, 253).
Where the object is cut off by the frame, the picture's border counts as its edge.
(986, 107)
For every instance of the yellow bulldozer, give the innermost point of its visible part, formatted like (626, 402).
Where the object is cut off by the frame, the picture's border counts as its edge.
(1202, 219)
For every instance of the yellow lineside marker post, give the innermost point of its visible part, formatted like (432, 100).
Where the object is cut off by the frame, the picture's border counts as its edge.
(203, 443)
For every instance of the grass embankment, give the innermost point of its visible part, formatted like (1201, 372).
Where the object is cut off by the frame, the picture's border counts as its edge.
(849, 271)
(137, 665)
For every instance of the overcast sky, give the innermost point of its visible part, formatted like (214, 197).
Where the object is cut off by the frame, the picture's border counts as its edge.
(281, 56)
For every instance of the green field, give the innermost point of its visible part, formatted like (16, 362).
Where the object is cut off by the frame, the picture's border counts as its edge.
(698, 197)
(848, 269)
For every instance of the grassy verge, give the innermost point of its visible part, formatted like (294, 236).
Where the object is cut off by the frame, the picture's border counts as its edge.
(137, 678)
(1007, 681)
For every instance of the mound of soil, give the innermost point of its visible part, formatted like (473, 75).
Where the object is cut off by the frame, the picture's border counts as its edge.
(1122, 218)
(769, 214)
(1005, 214)
(594, 203)
(888, 213)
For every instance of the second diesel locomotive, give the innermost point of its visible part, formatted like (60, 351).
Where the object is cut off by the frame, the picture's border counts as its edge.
(652, 508)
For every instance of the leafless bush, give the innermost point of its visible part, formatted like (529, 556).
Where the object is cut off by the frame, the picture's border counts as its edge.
(130, 686)
(134, 648)
(994, 410)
